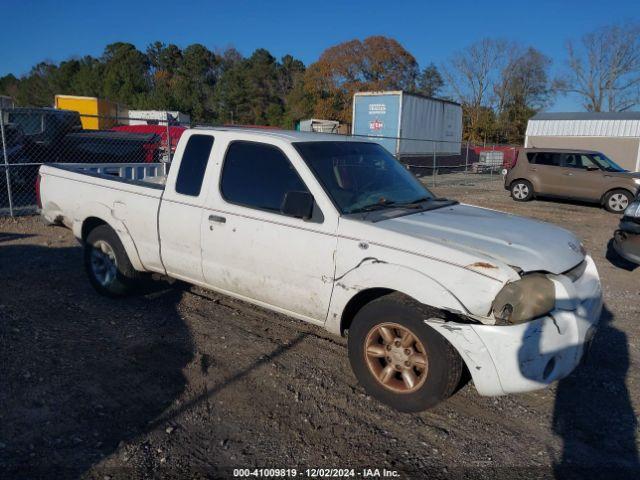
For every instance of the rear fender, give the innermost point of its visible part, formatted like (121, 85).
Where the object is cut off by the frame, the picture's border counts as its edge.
(106, 214)
(372, 273)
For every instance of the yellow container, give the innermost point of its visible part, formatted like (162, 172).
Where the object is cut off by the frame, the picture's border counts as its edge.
(95, 113)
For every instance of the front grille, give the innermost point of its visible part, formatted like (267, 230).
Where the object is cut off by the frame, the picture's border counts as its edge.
(576, 272)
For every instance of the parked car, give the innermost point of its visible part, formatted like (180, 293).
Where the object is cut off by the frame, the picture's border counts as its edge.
(572, 174)
(626, 239)
(53, 135)
(336, 232)
(21, 177)
(174, 133)
(104, 146)
(43, 128)
(16, 141)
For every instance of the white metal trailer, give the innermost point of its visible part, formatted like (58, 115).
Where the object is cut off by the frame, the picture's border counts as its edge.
(408, 124)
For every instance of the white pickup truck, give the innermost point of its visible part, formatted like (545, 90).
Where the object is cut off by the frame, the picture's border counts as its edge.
(334, 231)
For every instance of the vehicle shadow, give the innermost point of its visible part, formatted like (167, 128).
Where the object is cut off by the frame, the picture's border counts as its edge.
(79, 373)
(616, 260)
(593, 413)
(209, 393)
(569, 201)
(7, 237)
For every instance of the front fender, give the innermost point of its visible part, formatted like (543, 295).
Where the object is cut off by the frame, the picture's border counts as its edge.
(105, 213)
(372, 273)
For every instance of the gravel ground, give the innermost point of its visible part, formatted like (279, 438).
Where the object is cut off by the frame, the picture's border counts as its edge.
(184, 382)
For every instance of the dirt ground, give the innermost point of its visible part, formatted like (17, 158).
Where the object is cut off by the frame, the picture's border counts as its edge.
(188, 383)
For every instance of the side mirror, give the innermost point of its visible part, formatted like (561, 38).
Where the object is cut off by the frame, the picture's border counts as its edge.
(297, 204)
(592, 168)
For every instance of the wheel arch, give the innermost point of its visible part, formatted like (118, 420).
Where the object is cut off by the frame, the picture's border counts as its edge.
(101, 215)
(374, 280)
(604, 195)
(90, 224)
(528, 180)
(359, 300)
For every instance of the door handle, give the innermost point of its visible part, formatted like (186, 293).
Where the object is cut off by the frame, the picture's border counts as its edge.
(217, 218)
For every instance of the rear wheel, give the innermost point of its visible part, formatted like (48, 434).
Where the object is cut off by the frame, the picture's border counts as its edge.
(521, 190)
(617, 201)
(107, 264)
(399, 359)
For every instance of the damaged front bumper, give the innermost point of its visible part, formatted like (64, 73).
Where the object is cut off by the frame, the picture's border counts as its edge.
(531, 355)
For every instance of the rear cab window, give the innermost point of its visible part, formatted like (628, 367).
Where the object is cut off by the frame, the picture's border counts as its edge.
(193, 165)
(258, 175)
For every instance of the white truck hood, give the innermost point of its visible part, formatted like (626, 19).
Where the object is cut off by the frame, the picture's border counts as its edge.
(510, 239)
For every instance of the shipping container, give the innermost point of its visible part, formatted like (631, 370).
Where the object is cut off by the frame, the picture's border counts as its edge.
(95, 113)
(407, 124)
(158, 117)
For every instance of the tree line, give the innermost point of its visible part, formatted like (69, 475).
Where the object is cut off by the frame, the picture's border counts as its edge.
(500, 84)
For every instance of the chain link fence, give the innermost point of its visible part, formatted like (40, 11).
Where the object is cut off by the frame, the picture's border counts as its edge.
(474, 165)
(450, 163)
(31, 137)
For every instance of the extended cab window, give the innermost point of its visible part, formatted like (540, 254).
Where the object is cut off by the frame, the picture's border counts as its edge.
(258, 175)
(193, 165)
(545, 158)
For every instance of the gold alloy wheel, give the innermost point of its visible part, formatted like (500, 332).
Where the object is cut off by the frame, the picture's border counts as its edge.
(396, 358)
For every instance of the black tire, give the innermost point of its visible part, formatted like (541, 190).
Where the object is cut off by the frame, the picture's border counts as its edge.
(445, 366)
(617, 201)
(124, 279)
(521, 190)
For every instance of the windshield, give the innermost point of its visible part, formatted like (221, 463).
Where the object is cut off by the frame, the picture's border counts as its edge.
(361, 176)
(606, 163)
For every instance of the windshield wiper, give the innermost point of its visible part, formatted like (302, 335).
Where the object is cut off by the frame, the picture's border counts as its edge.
(418, 206)
(374, 206)
(415, 204)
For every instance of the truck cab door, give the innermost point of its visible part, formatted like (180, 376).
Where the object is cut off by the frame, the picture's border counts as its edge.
(180, 216)
(252, 250)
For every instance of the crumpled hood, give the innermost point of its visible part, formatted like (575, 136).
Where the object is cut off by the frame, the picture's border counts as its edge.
(513, 240)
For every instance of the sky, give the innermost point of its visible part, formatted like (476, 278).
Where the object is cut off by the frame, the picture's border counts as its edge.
(33, 31)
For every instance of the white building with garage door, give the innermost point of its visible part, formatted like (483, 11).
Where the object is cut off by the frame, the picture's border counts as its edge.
(616, 134)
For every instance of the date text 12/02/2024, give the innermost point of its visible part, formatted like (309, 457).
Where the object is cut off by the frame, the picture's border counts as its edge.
(315, 473)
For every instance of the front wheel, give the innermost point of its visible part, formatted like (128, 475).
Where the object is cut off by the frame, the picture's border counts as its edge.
(107, 265)
(521, 191)
(400, 360)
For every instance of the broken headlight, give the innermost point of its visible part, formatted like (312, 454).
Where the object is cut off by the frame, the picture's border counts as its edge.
(530, 297)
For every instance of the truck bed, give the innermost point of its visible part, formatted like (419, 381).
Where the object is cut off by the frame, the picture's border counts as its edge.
(127, 194)
(133, 173)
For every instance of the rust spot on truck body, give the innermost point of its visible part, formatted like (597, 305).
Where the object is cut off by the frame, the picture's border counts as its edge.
(481, 265)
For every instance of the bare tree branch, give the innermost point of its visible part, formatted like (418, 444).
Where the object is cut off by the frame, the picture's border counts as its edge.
(605, 68)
